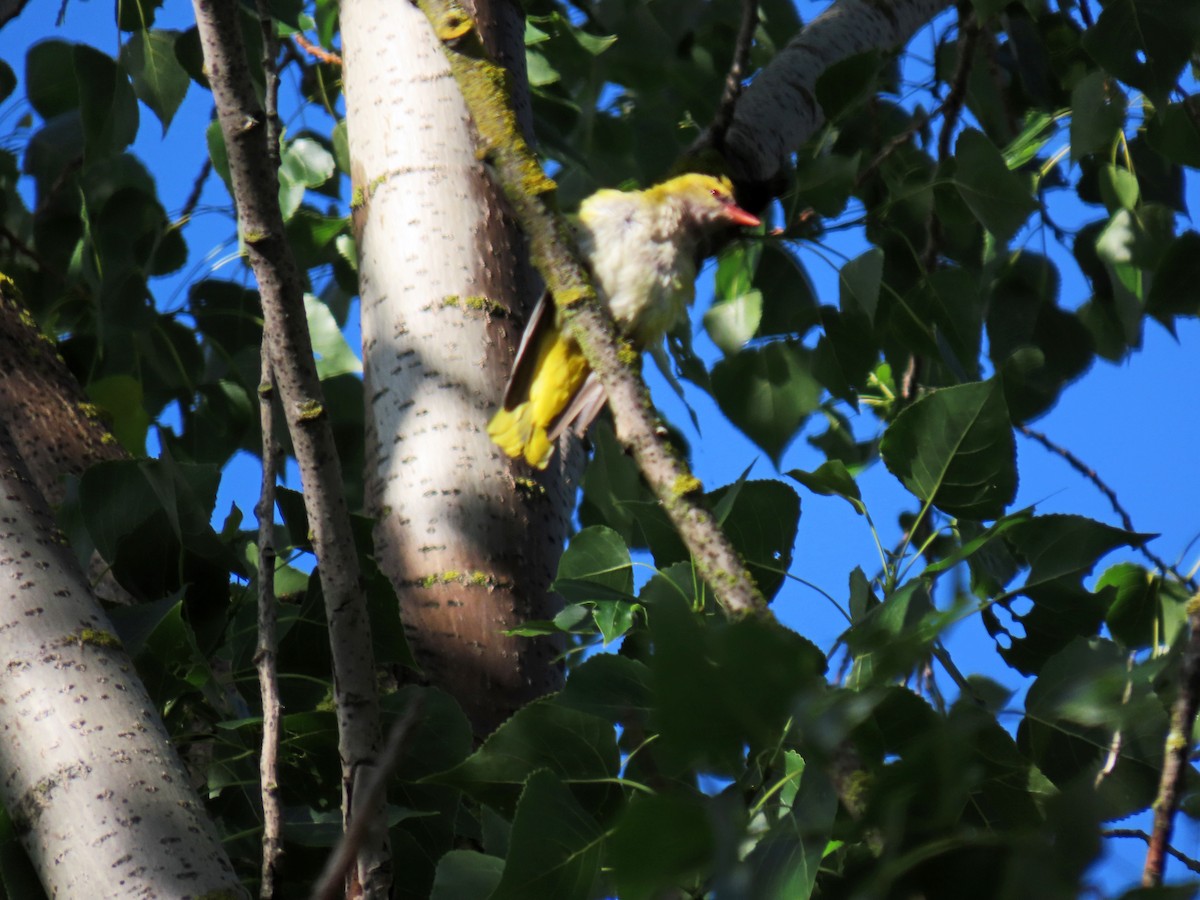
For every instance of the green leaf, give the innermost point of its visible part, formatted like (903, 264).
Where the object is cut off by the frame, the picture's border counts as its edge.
(731, 323)
(659, 841)
(8, 80)
(998, 197)
(554, 848)
(736, 266)
(1137, 239)
(845, 355)
(789, 298)
(48, 85)
(785, 862)
(1173, 291)
(895, 636)
(1118, 188)
(158, 79)
(1174, 133)
(466, 873)
(762, 526)
(826, 182)
(120, 397)
(613, 687)
(303, 164)
(596, 556)
(1145, 43)
(1146, 610)
(218, 154)
(767, 392)
(955, 448)
(1036, 133)
(723, 686)
(1067, 547)
(1097, 114)
(543, 735)
(859, 281)
(107, 103)
(333, 352)
(831, 479)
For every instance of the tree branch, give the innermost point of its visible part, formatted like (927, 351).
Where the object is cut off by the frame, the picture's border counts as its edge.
(585, 319)
(255, 184)
(737, 68)
(1176, 756)
(265, 657)
(778, 111)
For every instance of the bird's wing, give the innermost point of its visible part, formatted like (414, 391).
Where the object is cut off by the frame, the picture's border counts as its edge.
(524, 364)
(581, 411)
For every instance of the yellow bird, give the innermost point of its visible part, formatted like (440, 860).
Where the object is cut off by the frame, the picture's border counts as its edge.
(642, 248)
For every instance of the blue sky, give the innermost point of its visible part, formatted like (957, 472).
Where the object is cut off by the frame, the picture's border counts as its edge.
(1134, 423)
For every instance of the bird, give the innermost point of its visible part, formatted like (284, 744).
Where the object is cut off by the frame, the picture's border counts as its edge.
(642, 248)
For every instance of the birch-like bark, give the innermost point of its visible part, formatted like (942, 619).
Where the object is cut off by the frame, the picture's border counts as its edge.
(96, 792)
(470, 539)
(256, 194)
(778, 111)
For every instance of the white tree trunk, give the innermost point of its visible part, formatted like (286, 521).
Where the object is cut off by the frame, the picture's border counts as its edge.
(470, 539)
(90, 780)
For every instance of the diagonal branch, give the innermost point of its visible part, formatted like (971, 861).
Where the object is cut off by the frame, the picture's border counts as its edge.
(246, 131)
(585, 319)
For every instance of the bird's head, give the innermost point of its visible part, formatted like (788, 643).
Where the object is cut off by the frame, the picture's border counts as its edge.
(705, 201)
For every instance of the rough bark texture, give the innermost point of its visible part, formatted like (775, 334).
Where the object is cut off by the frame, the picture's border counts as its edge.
(778, 111)
(470, 539)
(256, 194)
(56, 430)
(94, 788)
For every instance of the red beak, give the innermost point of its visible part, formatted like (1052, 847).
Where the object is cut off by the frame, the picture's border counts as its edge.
(739, 216)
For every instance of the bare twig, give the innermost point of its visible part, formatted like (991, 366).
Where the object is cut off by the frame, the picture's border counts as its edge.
(373, 793)
(1090, 474)
(193, 199)
(738, 67)
(256, 194)
(585, 319)
(1175, 757)
(1137, 833)
(264, 657)
(316, 50)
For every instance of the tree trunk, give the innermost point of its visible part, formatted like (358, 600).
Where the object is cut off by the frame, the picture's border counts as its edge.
(470, 539)
(91, 782)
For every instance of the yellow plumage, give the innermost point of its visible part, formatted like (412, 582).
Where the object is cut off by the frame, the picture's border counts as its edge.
(641, 247)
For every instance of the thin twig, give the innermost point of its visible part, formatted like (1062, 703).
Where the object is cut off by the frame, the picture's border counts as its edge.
(1192, 864)
(372, 794)
(1090, 474)
(265, 657)
(193, 200)
(1176, 755)
(317, 51)
(738, 67)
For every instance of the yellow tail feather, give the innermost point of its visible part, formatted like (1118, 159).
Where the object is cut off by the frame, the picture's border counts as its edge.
(559, 372)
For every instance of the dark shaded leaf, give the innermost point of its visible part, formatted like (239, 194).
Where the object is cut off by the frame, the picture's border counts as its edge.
(554, 848)
(955, 449)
